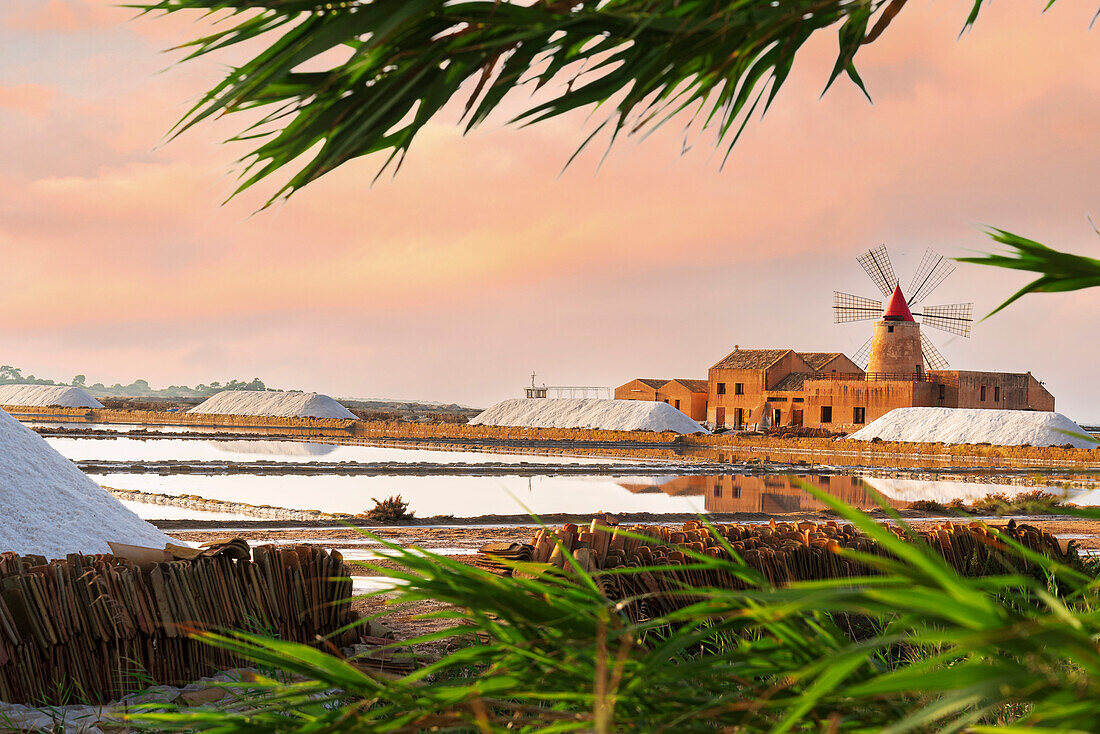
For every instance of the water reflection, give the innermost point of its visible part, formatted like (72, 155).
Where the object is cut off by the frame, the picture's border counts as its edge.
(471, 496)
(782, 493)
(279, 449)
(770, 494)
(172, 449)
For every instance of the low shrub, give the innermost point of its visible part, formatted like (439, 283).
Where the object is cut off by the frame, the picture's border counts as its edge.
(391, 509)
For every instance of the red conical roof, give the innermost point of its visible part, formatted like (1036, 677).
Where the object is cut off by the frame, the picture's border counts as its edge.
(897, 309)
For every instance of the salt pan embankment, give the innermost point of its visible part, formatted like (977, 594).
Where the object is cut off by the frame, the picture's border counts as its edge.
(976, 425)
(46, 396)
(50, 508)
(606, 415)
(277, 404)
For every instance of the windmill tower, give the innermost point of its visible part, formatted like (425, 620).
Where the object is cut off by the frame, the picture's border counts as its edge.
(897, 349)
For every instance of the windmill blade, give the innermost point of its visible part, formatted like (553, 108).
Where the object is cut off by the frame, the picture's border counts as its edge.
(954, 318)
(878, 266)
(933, 360)
(847, 307)
(863, 356)
(934, 267)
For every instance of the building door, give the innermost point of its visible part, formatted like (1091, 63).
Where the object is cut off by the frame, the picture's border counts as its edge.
(777, 417)
(796, 417)
(719, 417)
(738, 418)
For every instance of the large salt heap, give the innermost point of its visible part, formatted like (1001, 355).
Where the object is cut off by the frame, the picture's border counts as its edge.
(49, 507)
(45, 396)
(976, 425)
(607, 415)
(277, 404)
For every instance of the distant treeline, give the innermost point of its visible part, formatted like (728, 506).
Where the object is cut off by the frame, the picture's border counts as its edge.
(381, 409)
(136, 389)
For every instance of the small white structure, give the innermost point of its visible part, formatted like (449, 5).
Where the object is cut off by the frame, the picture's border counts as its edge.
(46, 396)
(607, 415)
(976, 425)
(51, 508)
(276, 404)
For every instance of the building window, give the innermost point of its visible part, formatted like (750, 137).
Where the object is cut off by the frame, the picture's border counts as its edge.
(859, 415)
(721, 388)
(736, 493)
(677, 405)
(996, 394)
(983, 394)
(774, 399)
(798, 400)
(738, 388)
(666, 402)
(890, 328)
(826, 414)
(717, 490)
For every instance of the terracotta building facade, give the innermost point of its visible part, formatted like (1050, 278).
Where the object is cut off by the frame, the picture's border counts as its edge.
(750, 389)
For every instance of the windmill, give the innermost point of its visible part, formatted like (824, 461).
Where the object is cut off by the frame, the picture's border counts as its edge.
(897, 346)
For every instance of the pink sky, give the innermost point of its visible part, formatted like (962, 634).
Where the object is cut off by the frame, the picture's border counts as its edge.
(480, 263)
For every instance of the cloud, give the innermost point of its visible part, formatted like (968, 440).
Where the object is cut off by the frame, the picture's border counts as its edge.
(62, 16)
(30, 99)
(482, 260)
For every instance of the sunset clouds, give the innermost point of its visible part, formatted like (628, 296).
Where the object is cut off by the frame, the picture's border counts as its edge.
(482, 260)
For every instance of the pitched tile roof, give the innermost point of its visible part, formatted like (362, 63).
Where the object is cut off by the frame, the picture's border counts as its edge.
(817, 360)
(693, 385)
(653, 382)
(751, 359)
(793, 381)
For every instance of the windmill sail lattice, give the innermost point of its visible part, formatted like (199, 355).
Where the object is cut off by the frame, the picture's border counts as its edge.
(933, 360)
(847, 307)
(931, 272)
(953, 318)
(877, 264)
(863, 356)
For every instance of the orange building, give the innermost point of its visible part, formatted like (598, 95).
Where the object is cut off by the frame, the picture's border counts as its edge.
(765, 387)
(688, 396)
(761, 388)
(643, 388)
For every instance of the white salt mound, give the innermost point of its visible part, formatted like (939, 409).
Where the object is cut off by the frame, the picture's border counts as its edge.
(278, 404)
(25, 396)
(607, 415)
(975, 425)
(49, 507)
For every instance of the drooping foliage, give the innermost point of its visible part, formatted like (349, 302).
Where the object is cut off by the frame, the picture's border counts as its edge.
(914, 647)
(338, 80)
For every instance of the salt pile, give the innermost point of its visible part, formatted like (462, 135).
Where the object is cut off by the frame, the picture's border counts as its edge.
(975, 425)
(50, 508)
(607, 415)
(46, 396)
(277, 404)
